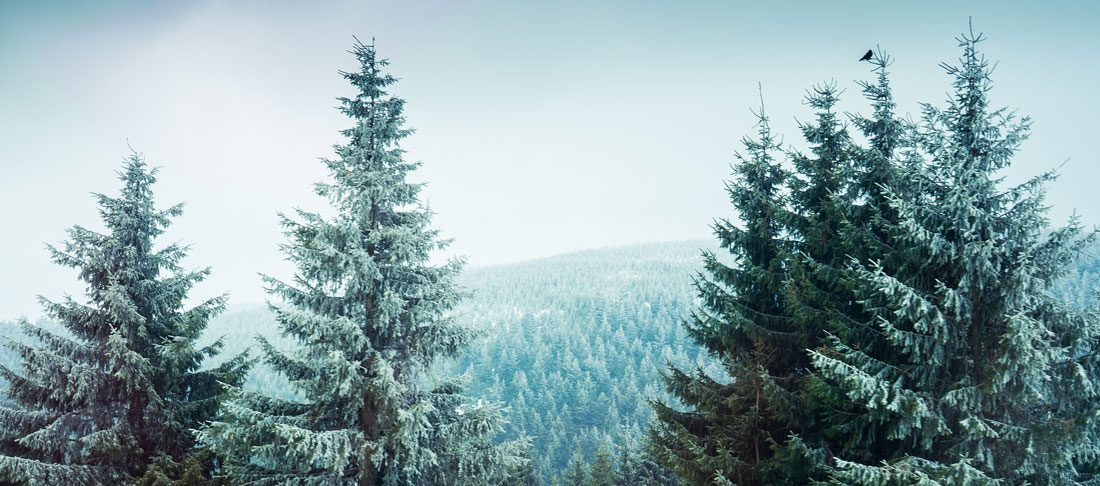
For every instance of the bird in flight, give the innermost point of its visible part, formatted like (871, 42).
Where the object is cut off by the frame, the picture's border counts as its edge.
(867, 57)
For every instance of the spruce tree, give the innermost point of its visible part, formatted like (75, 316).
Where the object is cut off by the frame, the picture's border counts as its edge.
(875, 172)
(730, 429)
(818, 187)
(577, 472)
(868, 232)
(602, 472)
(828, 204)
(371, 314)
(979, 375)
(124, 388)
(526, 474)
(637, 467)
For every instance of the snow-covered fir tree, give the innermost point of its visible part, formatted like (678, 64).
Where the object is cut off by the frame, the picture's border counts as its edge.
(874, 172)
(125, 388)
(525, 475)
(819, 184)
(371, 314)
(730, 429)
(976, 373)
(818, 300)
(868, 233)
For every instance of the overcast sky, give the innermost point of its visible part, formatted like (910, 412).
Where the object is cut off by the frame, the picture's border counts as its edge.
(544, 127)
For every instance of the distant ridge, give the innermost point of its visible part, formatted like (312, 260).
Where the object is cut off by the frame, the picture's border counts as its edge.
(680, 250)
(684, 251)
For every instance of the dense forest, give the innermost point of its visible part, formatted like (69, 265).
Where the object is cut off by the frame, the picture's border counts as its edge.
(560, 326)
(879, 308)
(572, 344)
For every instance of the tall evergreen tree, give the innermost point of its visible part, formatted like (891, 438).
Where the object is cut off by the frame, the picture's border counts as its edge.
(826, 226)
(868, 233)
(980, 375)
(125, 388)
(729, 430)
(371, 314)
(886, 134)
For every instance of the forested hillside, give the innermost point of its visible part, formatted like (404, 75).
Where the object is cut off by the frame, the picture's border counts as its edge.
(1082, 282)
(572, 344)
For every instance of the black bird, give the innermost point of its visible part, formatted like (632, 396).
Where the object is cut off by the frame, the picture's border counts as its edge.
(867, 57)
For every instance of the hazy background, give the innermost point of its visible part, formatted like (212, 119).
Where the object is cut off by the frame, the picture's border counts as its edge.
(544, 127)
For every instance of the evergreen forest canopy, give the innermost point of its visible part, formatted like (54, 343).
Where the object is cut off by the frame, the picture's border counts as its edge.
(572, 345)
(880, 308)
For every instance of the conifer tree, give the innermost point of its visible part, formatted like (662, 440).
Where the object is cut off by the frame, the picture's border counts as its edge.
(637, 467)
(371, 314)
(876, 175)
(602, 472)
(818, 187)
(886, 134)
(826, 200)
(980, 375)
(526, 475)
(577, 474)
(124, 388)
(730, 430)
(867, 232)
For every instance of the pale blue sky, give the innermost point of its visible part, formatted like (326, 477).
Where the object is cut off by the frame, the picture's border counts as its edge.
(544, 127)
